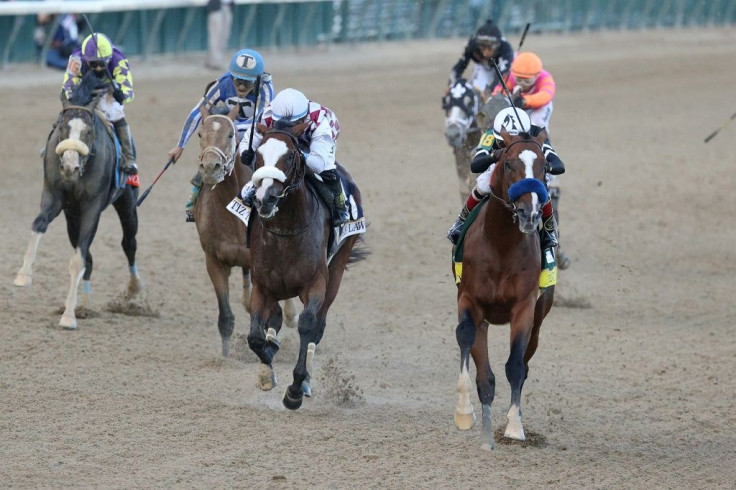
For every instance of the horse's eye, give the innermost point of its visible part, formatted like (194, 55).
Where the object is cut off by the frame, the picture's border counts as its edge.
(231, 135)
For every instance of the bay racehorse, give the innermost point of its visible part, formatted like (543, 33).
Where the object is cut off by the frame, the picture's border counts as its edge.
(289, 236)
(499, 282)
(462, 131)
(80, 178)
(222, 234)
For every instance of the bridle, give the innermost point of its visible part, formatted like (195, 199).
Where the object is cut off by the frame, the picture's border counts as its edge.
(227, 160)
(510, 205)
(79, 146)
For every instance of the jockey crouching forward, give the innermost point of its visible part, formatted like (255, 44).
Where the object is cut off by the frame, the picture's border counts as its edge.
(108, 63)
(487, 154)
(237, 86)
(318, 142)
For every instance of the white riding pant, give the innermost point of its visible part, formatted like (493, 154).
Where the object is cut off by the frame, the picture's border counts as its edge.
(540, 117)
(112, 109)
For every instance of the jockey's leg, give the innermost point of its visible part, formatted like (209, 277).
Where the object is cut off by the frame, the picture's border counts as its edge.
(193, 196)
(126, 145)
(563, 261)
(339, 209)
(482, 189)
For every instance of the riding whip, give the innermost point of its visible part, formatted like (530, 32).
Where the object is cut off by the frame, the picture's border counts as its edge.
(255, 115)
(145, 194)
(506, 90)
(714, 133)
(523, 36)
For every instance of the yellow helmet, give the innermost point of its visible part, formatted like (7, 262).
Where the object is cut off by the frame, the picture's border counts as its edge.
(526, 65)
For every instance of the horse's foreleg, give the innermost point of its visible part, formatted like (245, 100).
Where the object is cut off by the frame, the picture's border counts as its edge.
(25, 274)
(219, 274)
(260, 307)
(485, 382)
(522, 318)
(465, 334)
(308, 327)
(76, 270)
(50, 209)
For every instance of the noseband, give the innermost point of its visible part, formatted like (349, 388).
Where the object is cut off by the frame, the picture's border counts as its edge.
(517, 189)
(227, 160)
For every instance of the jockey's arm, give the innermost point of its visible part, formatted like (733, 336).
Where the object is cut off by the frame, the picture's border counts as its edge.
(321, 154)
(542, 93)
(123, 79)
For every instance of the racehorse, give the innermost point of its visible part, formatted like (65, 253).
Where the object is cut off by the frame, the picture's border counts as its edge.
(289, 236)
(500, 281)
(222, 234)
(80, 179)
(462, 130)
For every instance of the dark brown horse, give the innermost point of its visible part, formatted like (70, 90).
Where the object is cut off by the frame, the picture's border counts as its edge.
(289, 245)
(500, 282)
(222, 234)
(80, 179)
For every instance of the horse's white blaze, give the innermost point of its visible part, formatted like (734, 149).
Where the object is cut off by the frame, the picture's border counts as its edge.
(514, 429)
(73, 147)
(215, 126)
(272, 151)
(528, 157)
(25, 274)
(263, 188)
(76, 270)
(458, 116)
(464, 413)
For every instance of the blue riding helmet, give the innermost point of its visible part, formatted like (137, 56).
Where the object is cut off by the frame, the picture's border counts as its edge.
(246, 65)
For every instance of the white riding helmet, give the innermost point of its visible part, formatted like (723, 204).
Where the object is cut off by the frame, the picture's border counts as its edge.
(507, 119)
(289, 105)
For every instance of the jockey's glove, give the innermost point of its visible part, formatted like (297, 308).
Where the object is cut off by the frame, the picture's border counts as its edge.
(118, 95)
(519, 102)
(246, 158)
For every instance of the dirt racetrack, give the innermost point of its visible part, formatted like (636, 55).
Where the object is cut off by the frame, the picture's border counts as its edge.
(632, 385)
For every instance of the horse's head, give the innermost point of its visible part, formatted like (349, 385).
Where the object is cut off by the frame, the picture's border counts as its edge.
(217, 143)
(280, 167)
(520, 177)
(77, 126)
(461, 106)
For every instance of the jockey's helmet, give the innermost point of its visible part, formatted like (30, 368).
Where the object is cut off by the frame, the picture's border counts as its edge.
(488, 35)
(507, 119)
(526, 65)
(289, 107)
(246, 65)
(96, 52)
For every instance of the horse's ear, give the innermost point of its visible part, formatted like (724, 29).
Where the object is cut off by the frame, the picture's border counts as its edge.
(262, 128)
(505, 136)
(233, 114)
(204, 110)
(300, 128)
(541, 137)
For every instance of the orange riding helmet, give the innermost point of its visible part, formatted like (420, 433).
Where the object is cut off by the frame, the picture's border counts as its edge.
(526, 65)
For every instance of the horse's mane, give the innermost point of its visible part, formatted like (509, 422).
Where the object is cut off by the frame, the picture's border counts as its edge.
(84, 92)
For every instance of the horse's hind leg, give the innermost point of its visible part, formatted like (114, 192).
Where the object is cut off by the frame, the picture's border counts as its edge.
(128, 215)
(219, 274)
(50, 208)
(72, 229)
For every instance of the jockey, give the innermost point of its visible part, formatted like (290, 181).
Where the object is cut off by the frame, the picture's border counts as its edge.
(486, 155)
(289, 108)
(487, 43)
(235, 87)
(533, 90)
(100, 56)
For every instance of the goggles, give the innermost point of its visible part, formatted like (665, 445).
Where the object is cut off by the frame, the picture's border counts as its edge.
(96, 65)
(525, 83)
(248, 84)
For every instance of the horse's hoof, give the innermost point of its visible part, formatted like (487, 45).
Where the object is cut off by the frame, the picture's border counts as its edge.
(514, 431)
(68, 322)
(465, 421)
(307, 387)
(487, 447)
(292, 402)
(225, 348)
(22, 280)
(266, 378)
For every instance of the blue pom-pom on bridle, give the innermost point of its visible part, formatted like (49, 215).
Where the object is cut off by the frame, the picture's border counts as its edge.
(524, 186)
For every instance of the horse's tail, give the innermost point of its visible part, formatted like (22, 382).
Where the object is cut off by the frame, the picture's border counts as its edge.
(358, 253)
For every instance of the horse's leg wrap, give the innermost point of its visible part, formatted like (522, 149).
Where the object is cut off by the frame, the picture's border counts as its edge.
(126, 145)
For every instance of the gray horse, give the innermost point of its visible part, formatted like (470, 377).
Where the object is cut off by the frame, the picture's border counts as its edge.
(80, 179)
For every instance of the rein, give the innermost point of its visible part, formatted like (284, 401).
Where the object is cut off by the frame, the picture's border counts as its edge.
(227, 160)
(510, 205)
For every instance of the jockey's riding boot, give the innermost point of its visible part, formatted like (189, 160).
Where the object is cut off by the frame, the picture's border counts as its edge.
(563, 261)
(454, 233)
(339, 209)
(126, 145)
(555, 166)
(548, 234)
(247, 193)
(193, 196)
